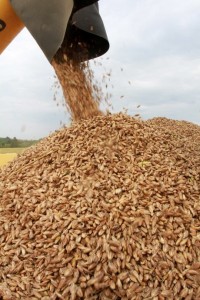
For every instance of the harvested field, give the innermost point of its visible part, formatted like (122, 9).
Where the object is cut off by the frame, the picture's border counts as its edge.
(8, 154)
(106, 209)
(11, 150)
(5, 158)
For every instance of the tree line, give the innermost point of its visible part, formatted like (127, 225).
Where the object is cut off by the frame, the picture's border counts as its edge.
(16, 143)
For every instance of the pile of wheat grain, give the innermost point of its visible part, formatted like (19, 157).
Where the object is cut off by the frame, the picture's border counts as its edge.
(185, 133)
(106, 209)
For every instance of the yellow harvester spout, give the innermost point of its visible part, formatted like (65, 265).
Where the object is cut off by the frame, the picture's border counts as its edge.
(10, 24)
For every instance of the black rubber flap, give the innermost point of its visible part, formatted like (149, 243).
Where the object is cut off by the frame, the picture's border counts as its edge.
(78, 4)
(86, 37)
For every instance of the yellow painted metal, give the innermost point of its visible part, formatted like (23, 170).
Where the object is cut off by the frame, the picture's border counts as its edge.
(10, 24)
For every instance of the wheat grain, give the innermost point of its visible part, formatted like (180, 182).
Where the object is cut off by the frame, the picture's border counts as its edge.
(105, 209)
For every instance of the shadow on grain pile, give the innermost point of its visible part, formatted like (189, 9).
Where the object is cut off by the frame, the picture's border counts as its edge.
(106, 209)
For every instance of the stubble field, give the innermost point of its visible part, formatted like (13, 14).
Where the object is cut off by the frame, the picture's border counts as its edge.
(8, 154)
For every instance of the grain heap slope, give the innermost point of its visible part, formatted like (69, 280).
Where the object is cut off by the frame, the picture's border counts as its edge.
(106, 209)
(185, 133)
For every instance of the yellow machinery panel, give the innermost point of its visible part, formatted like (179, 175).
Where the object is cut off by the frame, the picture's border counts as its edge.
(10, 24)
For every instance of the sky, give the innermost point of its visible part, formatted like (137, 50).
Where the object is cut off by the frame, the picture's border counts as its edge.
(154, 59)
